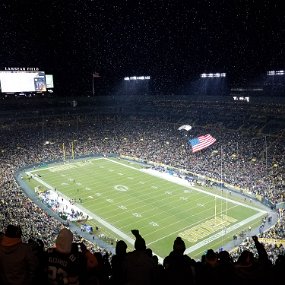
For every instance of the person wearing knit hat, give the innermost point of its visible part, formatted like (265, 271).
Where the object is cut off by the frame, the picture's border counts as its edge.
(18, 263)
(121, 247)
(64, 240)
(179, 245)
(139, 268)
(62, 263)
(178, 266)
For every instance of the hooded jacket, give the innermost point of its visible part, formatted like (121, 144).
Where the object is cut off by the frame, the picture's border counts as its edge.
(18, 264)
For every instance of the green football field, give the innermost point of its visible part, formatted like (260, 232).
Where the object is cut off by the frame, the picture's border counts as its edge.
(119, 196)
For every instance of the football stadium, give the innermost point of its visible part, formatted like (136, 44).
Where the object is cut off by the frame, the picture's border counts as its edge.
(104, 175)
(142, 144)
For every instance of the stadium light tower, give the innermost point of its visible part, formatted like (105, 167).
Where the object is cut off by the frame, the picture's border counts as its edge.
(212, 84)
(136, 84)
(129, 78)
(275, 72)
(213, 75)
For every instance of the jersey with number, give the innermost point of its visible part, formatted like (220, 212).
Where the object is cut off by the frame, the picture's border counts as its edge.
(63, 269)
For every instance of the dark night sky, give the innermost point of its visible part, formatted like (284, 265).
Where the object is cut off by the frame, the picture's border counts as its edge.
(162, 38)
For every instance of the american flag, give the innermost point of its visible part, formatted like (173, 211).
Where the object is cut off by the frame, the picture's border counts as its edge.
(201, 142)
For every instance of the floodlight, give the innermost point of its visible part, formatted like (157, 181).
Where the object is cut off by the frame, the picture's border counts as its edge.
(275, 72)
(137, 78)
(213, 75)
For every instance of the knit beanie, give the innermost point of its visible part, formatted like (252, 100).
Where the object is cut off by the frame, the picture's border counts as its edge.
(179, 245)
(64, 241)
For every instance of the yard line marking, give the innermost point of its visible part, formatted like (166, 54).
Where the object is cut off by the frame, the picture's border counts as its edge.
(90, 214)
(182, 182)
(185, 183)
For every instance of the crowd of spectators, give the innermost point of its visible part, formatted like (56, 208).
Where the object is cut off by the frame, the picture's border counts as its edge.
(250, 162)
(69, 262)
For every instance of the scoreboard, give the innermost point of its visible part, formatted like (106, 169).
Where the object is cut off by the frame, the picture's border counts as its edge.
(24, 81)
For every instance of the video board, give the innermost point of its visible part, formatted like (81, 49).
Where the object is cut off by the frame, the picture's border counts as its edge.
(49, 81)
(22, 81)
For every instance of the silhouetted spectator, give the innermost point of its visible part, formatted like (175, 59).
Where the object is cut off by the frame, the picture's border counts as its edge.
(103, 268)
(139, 268)
(18, 263)
(39, 251)
(179, 268)
(251, 270)
(207, 269)
(117, 262)
(225, 268)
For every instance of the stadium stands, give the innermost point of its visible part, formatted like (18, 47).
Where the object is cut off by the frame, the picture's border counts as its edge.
(252, 138)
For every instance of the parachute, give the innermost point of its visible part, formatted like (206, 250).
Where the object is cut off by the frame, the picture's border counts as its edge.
(185, 127)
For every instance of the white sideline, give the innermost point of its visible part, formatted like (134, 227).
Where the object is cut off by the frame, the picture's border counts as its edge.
(185, 183)
(90, 214)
